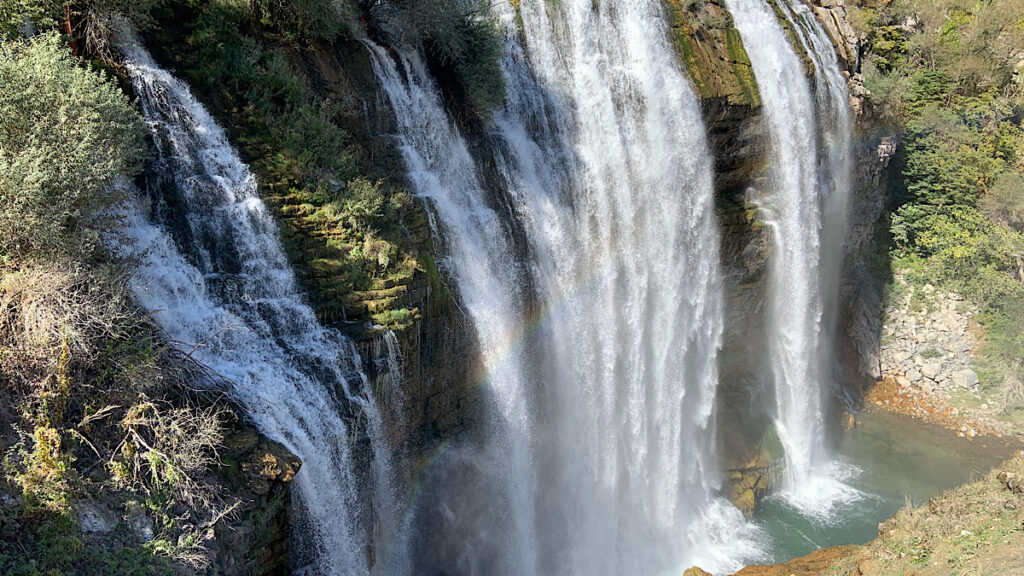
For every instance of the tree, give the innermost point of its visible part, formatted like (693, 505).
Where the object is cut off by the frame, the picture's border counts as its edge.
(66, 134)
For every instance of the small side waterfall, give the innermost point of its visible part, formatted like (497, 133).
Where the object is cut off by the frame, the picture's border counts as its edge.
(835, 165)
(478, 254)
(805, 205)
(223, 291)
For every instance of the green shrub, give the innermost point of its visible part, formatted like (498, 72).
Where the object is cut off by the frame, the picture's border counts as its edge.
(958, 218)
(66, 134)
(43, 14)
(457, 34)
(318, 19)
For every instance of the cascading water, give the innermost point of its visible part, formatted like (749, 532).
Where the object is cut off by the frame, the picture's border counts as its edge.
(606, 395)
(234, 305)
(835, 170)
(803, 284)
(479, 255)
(629, 270)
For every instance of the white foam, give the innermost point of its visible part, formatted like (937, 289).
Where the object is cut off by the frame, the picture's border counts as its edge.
(824, 495)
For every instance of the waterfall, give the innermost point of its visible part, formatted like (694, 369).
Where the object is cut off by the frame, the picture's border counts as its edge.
(805, 207)
(835, 167)
(222, 290)
(479, 255)
(600, 335)
(629, 269)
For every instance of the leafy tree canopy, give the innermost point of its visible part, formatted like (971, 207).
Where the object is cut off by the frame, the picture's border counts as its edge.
(66, 134)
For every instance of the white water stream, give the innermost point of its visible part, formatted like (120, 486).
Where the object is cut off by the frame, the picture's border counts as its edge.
(234, 305)
(805, 205)
(604, 374)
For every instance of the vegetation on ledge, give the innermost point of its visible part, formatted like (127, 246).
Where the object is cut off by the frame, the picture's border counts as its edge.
(341, 215)
(949, 76)
(110, 463)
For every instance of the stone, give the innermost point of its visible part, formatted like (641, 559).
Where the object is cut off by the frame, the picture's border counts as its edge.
(27, 28)
(695, 571)
(914, 375)
(931, 369)
(1012, 481)
(746, 501)
(95, 518)
(848, 421)
(966, 378)
(142, 526)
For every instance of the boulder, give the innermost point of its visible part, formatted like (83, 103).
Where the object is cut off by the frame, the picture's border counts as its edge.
(1012, 481)
(95, 518)
(966, 378)
(746, 501)
(931, 370)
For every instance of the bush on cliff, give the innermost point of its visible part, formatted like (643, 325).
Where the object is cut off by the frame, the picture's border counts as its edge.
(94, 408)
(950, 77)
(456, 34)
(65, 134)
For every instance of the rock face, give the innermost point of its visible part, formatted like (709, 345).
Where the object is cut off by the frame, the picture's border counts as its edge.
(437, 398)
(718, 65)
(256, 541)
(926, 338)
(832, 15)
(713, 52)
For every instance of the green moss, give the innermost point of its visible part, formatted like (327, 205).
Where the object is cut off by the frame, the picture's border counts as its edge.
(742, 67)
(713, 52)
(396, 318)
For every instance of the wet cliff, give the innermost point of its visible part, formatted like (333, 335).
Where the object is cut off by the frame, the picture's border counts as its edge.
(407, 291)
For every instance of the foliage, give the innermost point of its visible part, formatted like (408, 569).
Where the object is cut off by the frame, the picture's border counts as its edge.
(341, 215)
(65, 134)
(90, 22)
(457, 35)
(49, 545)
(100, 414)
(43, 14)
(942, 72)
(317, 19)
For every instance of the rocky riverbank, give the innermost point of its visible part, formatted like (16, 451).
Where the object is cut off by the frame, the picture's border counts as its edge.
(927, 362)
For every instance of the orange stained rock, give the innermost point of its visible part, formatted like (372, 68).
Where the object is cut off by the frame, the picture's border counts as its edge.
(814, 564)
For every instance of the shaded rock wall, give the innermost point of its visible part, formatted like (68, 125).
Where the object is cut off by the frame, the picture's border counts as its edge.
(255, 541)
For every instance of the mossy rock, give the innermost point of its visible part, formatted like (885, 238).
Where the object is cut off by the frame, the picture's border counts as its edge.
(713, 52)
